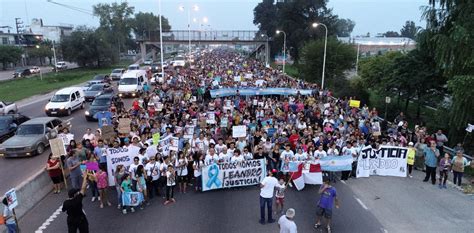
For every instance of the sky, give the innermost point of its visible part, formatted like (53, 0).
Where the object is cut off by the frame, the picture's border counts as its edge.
(373, 16)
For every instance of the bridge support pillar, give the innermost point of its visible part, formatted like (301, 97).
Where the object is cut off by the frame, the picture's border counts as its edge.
(143, 51)
(153, 54)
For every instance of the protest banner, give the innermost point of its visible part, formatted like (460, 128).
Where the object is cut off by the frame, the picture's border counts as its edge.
(57, 147)
(66, 138)
(210, 118)
(354, 103)
(116, 156)
(376, 130)
(386, 161)
(233, 174)
(156, 138)
(239, 131)
(174, 141)
(255, 91)
(108, 132)
(237, 79)
(132, 198)
(124, 125)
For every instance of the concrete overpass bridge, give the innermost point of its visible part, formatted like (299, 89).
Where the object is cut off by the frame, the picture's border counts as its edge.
(199, 38)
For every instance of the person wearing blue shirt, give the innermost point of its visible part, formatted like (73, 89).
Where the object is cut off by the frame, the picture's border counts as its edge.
(104, 118)
(431, 162)
(100, 152)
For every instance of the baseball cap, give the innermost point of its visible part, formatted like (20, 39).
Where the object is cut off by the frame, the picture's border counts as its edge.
(410, 143)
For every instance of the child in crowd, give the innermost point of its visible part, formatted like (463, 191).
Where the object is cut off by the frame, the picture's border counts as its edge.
(444, 166)
(280, 195)
(102, 185)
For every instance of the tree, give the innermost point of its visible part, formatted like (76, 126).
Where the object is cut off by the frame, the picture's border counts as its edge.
(295, 18)
(463, 104)
(115, 22)
(410, 30)
(9, 54)
(146, 25)
(41, 51)
(391, 34)
(87, 47)
(339, 58)
(344, 27)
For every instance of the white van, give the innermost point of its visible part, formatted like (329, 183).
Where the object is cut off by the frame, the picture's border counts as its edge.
(131, 83)
(65, 101)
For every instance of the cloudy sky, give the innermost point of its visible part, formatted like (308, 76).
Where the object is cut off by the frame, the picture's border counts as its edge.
(374, 16)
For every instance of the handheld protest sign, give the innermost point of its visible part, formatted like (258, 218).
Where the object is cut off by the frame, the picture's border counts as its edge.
(58, 150)
(124, 125)
(12, 202)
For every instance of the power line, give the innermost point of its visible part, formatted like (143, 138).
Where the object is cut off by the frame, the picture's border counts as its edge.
(82, 10)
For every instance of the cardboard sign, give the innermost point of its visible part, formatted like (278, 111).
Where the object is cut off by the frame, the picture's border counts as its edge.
(211, 118)
(11, 199)
(108, 132)
(124, 125)
(57, 147)
(239, 131)
(354, 103)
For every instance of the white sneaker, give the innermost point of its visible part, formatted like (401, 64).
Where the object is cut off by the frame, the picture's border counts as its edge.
(93, 199)
(98, 198)
(410, 176)
(124, 211)
(119, 206)
(132, 209)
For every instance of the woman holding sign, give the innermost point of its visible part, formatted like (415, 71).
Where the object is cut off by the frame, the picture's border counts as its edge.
(54, 172)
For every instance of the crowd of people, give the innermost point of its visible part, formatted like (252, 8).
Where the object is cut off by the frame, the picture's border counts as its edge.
(280, 129)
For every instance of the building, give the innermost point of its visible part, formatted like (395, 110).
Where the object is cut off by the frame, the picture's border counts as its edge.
(7, 38)
(369, 46)
(24, 40)
(53, 33)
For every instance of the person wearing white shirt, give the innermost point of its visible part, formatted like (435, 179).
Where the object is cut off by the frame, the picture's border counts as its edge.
(348, 150)
(300, 155)
(247, 155)
(320, 153)
(88, 135)
(287, 153)
(267, 188)
(220, 146)
(197, 167)
(211, 157)
(153, 170)
(224, 156)
(237, 157)
(182, 171)
(286, 223)
(133, 170)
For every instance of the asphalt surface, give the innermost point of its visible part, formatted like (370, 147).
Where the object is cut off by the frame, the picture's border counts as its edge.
(232, 210)
(16, 170)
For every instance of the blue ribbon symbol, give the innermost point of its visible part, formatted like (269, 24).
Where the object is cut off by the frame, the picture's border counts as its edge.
(213, 174)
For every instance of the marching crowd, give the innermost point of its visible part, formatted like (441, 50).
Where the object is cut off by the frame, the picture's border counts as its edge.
(280, 129)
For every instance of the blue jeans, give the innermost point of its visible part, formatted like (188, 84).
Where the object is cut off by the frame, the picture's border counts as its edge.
(11, 228)
(269, 202)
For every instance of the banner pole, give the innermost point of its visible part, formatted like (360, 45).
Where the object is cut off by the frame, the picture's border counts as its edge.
(16, 220)
(62, 171)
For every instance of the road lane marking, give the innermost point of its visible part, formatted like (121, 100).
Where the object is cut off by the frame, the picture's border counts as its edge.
(361, 203)
(70, 119)
(342, 181)
(49, 220)
(384, 230)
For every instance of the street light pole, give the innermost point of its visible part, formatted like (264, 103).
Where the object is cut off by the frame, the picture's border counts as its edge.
(284, 48)
(161, 42)
(325, 46)
(357, 60)
(195, 7)
(55, 61)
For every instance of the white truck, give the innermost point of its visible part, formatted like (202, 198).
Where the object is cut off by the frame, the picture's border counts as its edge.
(8, 108)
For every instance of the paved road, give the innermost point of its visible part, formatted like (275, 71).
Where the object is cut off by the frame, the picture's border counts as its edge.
(8, 74)
(235, 210)
(10, 176)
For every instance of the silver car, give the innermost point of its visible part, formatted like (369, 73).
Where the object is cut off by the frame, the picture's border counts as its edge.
(32, 137)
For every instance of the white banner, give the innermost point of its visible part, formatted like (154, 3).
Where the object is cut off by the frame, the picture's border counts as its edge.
(116, 156)
(386, 161)
(234, 174)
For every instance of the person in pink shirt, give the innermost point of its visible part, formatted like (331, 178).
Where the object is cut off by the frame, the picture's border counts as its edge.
(102, 185)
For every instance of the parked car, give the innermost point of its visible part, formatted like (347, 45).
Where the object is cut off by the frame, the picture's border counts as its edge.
(8, 108)
(65, 101)
(134, 67)
(21, 72)
(96, 90)
(35, 70)
(148, 62)
(8, 125)
(100, 78)
(61, 65)
(32, 137)
(117, 74)
(101, 103)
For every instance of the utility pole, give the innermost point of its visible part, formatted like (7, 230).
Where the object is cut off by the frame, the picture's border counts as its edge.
(19, 25)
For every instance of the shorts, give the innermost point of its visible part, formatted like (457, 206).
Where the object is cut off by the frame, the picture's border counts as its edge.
(57, 179)
(280, 200)
(182, 179)
(327, 213)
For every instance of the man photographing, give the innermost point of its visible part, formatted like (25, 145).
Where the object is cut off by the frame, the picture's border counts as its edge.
(325, 204)
(76, 218)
